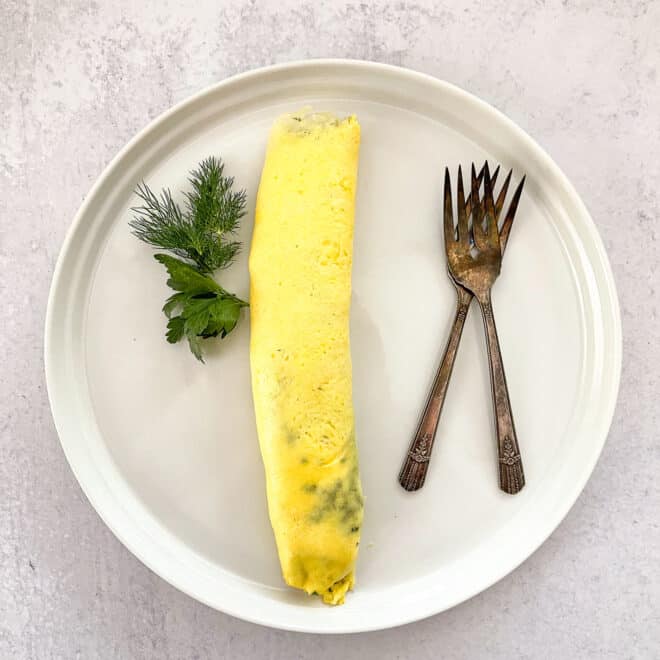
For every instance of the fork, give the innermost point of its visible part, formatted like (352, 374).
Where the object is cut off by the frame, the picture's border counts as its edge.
(415, 466)
(476, 268)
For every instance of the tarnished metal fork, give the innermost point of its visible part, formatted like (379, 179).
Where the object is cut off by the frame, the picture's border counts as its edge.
(415, 466)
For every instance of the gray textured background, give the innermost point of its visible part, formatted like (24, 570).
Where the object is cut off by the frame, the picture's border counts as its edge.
(78, 79)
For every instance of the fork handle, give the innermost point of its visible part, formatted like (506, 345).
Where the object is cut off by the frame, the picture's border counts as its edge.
(512, 477)
(416, 462)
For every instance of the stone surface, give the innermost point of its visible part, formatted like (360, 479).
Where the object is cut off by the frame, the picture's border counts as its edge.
(78, 79)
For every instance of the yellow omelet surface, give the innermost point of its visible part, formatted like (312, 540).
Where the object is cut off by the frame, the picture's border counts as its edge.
(300, 291)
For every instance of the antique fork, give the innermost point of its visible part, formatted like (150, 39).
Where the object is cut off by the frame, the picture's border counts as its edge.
(415, 466)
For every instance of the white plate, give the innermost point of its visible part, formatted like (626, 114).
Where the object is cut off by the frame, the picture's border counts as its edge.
(165, 448)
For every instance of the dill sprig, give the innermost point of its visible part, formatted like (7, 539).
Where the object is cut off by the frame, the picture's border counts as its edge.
(202, 236)
(204, 231)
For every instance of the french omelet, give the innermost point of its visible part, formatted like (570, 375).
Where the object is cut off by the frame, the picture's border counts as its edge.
(300, 271)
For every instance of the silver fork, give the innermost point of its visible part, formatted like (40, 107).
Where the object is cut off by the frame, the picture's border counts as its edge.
(415, 466)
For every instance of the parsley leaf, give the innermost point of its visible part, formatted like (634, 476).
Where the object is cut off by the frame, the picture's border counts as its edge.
(175, 329)
(185, 278)
(200, 308)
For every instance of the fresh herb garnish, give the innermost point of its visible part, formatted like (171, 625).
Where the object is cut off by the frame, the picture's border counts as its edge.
(203, 232)
(204, 308)
(201, 237)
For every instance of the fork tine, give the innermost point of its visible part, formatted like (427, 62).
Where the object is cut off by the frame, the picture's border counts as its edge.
(477, 210)
(489, 206)
(468, 201)
(478, 235)
(450, 233)
(499, 204)
(463, 213)
(510, 214)
(493, 179)
(480, 176)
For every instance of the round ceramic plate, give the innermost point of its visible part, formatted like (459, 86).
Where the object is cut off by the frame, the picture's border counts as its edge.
(165, 448)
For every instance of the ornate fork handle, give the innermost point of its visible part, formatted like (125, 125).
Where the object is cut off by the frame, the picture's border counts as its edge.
(512, 477)
(416, 463)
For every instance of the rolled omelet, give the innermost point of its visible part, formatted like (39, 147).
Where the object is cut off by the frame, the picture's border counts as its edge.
(300, 270)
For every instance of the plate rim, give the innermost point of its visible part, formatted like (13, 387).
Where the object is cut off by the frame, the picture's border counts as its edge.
(366, 66)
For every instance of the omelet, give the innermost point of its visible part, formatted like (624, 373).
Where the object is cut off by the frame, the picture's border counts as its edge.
(300, 291)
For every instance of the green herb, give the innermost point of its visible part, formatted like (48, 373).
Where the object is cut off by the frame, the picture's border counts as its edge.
(200, 308)
(342, 499)
(201, 237)
(203, 232)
